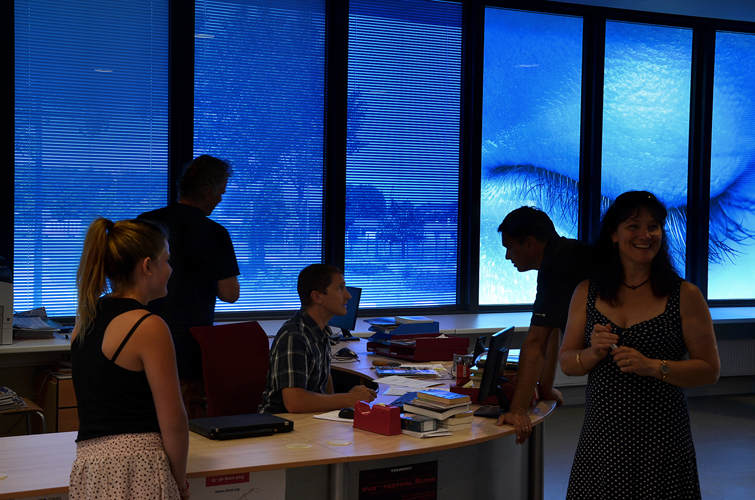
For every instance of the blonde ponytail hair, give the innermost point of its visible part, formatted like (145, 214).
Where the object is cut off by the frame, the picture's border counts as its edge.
(111, 253)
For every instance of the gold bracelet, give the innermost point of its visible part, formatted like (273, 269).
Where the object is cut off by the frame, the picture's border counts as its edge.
(580, 364)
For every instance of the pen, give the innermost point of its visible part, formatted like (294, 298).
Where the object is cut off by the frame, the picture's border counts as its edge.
(385, 363)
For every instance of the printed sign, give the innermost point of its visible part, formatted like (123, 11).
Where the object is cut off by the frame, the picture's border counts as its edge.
(267, 485)
(407, 482)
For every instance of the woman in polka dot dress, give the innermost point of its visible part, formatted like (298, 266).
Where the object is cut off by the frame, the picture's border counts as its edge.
(630, 328)
(133, 438)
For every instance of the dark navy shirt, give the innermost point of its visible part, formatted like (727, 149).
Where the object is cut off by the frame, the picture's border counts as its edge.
(566, 263)
(201, 254)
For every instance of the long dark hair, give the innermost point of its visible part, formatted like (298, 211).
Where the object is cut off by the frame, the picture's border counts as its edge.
(608, 272)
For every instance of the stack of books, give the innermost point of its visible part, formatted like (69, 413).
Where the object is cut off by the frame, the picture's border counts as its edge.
(457, 422)
(420, 426)
(438, 404)
(9, 400)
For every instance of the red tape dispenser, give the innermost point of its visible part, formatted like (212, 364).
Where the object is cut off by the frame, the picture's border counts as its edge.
(381, 418)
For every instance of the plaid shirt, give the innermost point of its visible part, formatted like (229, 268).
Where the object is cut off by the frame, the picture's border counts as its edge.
(299, 357)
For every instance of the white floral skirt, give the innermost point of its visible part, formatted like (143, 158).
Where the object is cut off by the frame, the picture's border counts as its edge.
(124, 466)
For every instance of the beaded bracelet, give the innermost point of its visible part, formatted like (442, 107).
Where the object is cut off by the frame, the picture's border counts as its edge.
(186, 487)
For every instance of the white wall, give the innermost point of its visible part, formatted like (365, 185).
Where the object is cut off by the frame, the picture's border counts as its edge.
(737, 10)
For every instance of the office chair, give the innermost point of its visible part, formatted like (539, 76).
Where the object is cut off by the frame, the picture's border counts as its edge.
(234, 363)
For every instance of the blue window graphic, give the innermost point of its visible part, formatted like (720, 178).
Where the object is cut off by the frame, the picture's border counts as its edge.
(731, 263)
(530, 136)
(646, 104)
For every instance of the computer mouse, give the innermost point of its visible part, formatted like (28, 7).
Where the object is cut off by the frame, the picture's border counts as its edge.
(346, 353)
(346, 413)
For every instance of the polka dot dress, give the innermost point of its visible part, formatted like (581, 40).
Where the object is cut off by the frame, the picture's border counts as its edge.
(123, 467)
(636, 441)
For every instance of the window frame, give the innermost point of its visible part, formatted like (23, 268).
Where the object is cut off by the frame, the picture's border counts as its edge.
(180, 147)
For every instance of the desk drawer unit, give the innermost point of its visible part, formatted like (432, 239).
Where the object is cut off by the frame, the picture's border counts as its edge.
(58, 399)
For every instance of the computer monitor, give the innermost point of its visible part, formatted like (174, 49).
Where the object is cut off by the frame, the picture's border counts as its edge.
(479, 347)
(348, 321)
(494, 363)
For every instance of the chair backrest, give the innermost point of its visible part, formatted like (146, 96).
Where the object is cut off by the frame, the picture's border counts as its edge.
(234, 363)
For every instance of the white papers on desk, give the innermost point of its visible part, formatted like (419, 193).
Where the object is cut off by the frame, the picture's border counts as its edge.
(31, 322)
(34, 324)
(333, 415)
(413, 383)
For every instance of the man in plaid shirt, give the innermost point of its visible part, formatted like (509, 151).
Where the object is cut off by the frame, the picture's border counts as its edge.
(299, 378)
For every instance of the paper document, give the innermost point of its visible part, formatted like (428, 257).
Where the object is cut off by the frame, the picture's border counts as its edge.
(409, 382)
(397, 390)
(333, 415)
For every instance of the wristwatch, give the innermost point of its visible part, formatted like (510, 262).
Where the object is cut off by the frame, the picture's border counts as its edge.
(665, 369)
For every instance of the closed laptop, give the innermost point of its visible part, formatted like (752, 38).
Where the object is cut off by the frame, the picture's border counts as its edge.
(240, 426)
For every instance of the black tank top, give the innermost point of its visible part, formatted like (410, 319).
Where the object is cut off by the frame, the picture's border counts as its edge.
(111, 399)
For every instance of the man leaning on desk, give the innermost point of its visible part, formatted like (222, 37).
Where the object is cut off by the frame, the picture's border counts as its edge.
(531, 242)
(299, 378)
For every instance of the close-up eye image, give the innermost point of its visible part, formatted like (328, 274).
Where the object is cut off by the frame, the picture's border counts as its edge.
(531, 137)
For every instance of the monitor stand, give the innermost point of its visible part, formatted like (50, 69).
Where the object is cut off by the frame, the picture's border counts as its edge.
(495, 411)
(347, 336)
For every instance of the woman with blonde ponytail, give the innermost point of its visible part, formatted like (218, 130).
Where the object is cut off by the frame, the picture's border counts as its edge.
(133, 436)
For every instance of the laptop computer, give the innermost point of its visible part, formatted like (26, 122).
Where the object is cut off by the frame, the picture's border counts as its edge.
(240, 426)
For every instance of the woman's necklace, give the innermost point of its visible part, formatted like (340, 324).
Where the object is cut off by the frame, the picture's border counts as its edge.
(635, 287)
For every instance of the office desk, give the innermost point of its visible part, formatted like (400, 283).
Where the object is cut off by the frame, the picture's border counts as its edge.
(40, 464)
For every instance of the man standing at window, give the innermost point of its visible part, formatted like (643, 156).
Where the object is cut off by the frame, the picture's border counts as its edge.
(299, 378)
(531, 242)
(204, 267)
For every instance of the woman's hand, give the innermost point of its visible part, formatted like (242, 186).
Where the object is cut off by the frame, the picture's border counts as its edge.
(601, 339)
(631, 361)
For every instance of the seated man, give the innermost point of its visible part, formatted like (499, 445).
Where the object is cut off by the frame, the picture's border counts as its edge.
(299, 378)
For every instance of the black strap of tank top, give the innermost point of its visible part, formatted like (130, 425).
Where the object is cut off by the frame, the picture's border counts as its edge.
(128, 336)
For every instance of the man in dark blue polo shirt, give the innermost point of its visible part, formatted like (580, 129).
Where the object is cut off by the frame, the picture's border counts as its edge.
(299, 378)
(531, 242)
(204, 267)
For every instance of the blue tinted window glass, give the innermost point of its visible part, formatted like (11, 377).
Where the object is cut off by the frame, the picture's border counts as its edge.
(731, 264)
(403, 151)
(646, 119)
(91, 132)
(530, 136)
(259, 102)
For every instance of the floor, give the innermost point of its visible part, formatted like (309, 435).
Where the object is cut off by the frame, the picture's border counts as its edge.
(723, 430)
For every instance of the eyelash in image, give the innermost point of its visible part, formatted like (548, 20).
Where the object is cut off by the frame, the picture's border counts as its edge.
(558, 196)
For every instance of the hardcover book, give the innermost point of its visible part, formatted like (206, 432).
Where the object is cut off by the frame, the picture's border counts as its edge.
(417, 423)
(432, 405)
(443, 397)
(455, 427)
(440, 415)
(459, 418)
(387, 371)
